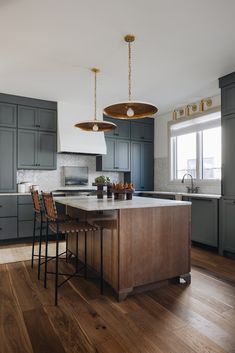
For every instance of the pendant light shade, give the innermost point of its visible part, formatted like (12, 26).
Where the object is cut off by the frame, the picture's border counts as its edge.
(130, 109)
(95, 125)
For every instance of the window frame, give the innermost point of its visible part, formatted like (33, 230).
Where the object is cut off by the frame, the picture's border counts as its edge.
(172, 151)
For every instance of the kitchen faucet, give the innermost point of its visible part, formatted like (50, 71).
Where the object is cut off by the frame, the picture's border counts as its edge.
(193, 189)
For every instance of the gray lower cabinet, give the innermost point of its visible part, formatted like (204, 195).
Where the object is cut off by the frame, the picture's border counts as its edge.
(227, 229)
(36, 150)
(117, 157)
(142, 165)
(25, 216)
(7, 160)
(8, 228)
(8, 217)
(25, 229)
(205, 221)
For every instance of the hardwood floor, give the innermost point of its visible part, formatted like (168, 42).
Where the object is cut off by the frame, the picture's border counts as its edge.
(174, 319)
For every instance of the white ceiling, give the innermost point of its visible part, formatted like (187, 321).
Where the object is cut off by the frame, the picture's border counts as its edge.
(181, 49)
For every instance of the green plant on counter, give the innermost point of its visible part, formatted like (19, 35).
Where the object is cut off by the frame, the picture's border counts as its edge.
(102, 179)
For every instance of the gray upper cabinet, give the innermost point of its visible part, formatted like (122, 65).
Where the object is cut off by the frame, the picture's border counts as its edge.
(36, 150)
(27, 149)
(7, 160)
(122, 131)
(227, 99)
(117, 157)
(27, 117)
(37, 119)
(47, 120)
(142, 165)
(46, 151)
(228, 155)
(107, 160)
(8, 113)
(141, 131)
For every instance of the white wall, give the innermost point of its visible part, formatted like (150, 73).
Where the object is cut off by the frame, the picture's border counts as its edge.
(72, 139)
(161, 156)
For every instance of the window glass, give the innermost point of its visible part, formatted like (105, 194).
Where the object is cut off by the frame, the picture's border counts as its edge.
(211, 154)
(186, 155)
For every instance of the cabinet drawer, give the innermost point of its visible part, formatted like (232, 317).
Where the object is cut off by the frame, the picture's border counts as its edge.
(8, 228)
(25, 229)
(8, 206)
(25, 212)
(27, 199)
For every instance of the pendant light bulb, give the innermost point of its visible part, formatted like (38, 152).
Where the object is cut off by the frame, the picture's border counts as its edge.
(130, 112)
(95, 128)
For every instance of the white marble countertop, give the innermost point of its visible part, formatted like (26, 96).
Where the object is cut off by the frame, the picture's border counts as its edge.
(211, 196)
(91, 203)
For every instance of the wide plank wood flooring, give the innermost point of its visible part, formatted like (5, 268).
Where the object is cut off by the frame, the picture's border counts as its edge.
(199, 318)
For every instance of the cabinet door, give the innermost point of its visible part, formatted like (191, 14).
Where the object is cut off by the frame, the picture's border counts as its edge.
(8, 228)
(136, 165)
(143, 132)
(47, 120)
(122, 130)
(27, 117)
(7, 160)
(46, 151)
(228, 99)
(228, 226)
(25, 229)
(228, 155)
(7, 115)
(27, 149)
(205, 221)
(108, 159)
(147, 166)
(122, 155)
(8, 206)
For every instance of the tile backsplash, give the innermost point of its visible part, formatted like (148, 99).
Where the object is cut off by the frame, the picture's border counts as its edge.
(53, 179)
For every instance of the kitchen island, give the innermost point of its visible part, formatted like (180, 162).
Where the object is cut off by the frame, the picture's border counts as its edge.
(146, 241)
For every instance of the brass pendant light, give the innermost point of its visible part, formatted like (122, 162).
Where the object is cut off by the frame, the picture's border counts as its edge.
(95, 125)
(130, 109)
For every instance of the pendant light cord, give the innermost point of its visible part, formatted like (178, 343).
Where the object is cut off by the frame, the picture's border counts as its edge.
(95, 97)
(129, 70)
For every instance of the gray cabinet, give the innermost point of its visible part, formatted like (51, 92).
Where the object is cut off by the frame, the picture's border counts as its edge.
(27, 149)
(7, 159)
(228, 155)
(122, 131)
(227, 241)
(8, 217)
(25, 216)
(8, 114)
(117, 157)
(8, 228)
(141, 131)
(36, 118)
(142, 165)
(227, 99)
(36, 150)
(204, 220)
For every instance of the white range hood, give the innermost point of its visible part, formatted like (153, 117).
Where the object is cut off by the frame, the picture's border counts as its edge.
(74, 140)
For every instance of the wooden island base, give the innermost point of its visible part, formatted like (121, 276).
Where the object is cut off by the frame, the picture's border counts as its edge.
(143, 247)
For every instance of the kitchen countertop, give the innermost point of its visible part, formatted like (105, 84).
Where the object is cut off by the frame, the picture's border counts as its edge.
(91, 203)
(211, 196)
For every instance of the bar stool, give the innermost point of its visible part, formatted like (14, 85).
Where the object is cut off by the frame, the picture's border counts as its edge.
(39, 217)
(67, 228)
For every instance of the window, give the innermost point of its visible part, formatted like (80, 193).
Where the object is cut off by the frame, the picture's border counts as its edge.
(196, 148)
